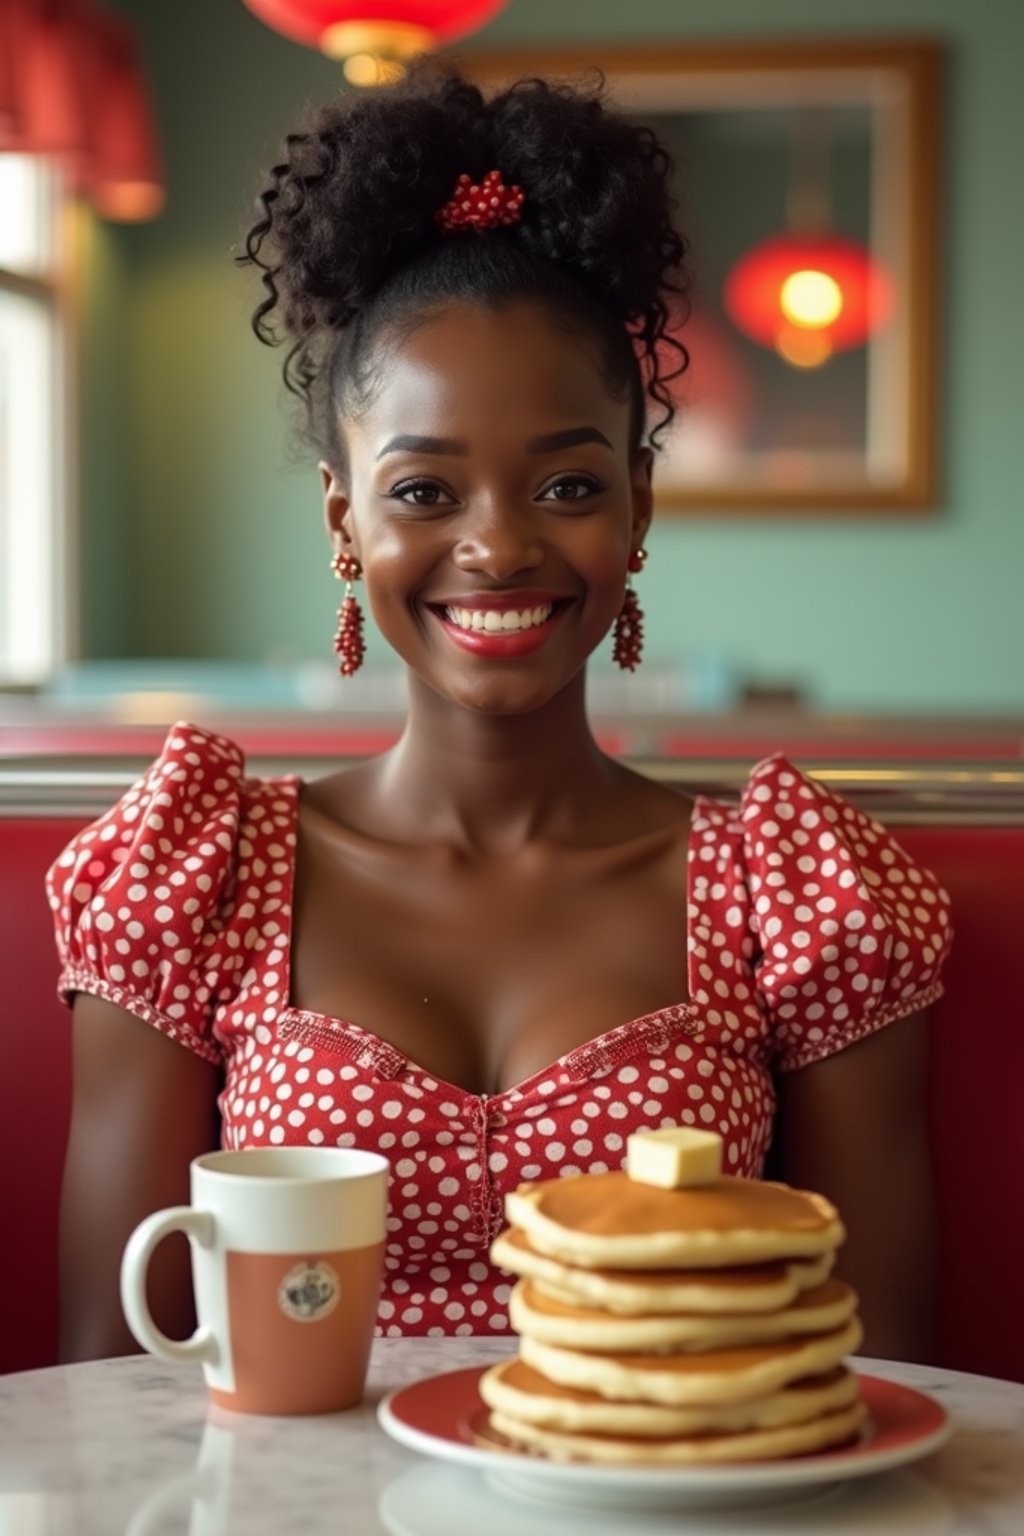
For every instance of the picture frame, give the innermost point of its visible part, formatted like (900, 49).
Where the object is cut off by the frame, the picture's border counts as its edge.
(768, 138)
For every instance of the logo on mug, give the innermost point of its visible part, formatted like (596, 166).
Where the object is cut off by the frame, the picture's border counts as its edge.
(309, 1292)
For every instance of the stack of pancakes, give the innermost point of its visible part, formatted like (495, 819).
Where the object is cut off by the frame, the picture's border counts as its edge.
(674, 1325)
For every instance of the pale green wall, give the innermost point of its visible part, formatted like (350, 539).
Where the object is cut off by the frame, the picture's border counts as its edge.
(103, 401)
(214, 543)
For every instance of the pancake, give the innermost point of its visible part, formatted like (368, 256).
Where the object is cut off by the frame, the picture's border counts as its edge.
(536, 1316)
(608, 1220)
(672, 1315)
(752, 1288)
(516, 1389)
(688, 1380)
(832, 1429)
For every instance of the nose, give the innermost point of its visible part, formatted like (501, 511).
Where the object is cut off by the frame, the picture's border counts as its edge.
(500, 542)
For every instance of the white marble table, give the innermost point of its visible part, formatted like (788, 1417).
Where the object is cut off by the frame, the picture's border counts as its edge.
(126, 1448)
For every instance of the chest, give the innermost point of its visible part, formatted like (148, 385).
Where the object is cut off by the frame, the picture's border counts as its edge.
(485, 973)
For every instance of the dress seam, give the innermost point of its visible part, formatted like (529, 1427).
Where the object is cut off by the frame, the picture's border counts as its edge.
(616, 1046)
(341, 1039)
(73, 980)
(819, 1050)
(480, 1196)
(613, 1050)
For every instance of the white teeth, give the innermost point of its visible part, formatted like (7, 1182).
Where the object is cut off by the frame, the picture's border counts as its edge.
(494, 620)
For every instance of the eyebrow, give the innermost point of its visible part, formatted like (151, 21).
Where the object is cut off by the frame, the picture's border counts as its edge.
(550, 442)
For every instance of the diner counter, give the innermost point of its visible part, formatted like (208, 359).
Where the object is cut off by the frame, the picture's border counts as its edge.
(129, 1448)
(630, 720)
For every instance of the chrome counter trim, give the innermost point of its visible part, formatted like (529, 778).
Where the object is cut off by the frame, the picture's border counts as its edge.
(933, 793)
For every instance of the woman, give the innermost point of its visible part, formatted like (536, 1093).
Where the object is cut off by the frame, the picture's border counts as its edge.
(469, 952)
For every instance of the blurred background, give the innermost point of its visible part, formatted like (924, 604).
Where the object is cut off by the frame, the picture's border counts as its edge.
(837, 561)
(839, 549)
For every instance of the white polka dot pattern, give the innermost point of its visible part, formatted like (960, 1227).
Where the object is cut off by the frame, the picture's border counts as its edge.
(851, 932)
(808, 927)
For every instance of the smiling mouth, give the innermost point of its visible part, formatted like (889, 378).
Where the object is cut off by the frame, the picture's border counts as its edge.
(495, 621)
(500, 631)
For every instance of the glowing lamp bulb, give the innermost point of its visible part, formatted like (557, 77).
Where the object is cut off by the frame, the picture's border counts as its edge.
(367, 69)
(811, 299)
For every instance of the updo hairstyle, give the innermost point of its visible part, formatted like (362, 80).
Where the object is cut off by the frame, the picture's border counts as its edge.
(349, 248)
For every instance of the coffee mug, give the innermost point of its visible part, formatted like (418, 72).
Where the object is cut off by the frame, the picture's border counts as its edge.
(287, 1256)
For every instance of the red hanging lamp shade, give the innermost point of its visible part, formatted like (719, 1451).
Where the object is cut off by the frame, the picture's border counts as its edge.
(47, 106)
(812, 293)
(385, 29)
(122, 173)
(72, 87)
(10, 96)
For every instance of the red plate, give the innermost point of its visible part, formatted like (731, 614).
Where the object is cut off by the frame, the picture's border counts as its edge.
(437, 1416)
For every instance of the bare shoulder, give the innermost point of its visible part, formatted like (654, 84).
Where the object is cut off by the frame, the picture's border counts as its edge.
(345, 787)
(346, 804)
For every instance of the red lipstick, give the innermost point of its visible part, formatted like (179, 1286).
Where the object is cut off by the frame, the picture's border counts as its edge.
(497, 644)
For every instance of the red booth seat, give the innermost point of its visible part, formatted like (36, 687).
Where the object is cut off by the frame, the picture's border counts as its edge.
(976, 1095)
(35, 1093)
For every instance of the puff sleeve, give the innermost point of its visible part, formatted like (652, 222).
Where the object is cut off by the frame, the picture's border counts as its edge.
(138, 897)
(850, 933)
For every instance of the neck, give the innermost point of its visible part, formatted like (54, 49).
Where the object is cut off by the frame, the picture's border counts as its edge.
(491, 783)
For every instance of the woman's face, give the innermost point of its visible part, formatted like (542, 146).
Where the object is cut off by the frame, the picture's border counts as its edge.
(493, 504)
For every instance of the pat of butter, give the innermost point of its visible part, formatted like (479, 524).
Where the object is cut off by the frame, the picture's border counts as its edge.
(676, 1157)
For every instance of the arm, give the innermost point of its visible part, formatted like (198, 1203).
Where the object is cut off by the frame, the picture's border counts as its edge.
(853, 1126)
(142, 1108)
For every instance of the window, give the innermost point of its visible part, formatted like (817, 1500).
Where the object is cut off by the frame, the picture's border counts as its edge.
(34, 513)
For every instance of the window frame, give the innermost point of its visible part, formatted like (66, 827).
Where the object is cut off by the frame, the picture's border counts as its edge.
(54, 578)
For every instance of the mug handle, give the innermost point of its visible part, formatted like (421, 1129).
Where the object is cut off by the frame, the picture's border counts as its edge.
(198, 1225)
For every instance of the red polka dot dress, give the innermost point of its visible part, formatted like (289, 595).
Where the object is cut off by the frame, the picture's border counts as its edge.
(808, 928)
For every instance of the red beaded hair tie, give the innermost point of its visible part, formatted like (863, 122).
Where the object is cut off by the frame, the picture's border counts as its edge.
(481, 207)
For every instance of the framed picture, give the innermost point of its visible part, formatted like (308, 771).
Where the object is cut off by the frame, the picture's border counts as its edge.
(806, 175)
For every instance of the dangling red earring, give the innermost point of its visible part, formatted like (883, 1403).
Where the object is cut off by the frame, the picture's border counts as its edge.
(628, 630)
(349, 644)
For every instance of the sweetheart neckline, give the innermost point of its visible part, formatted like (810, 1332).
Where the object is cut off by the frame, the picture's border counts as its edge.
(579, 1061)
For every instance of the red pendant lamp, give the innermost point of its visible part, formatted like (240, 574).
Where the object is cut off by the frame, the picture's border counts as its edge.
(809, 292)
(808, 295)
(122, 174)
(373, 38)
(47, 111)
(72, 88)
(10, 96)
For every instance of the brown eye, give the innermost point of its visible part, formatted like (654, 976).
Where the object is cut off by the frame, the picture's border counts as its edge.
(571, 488)
(421, 493)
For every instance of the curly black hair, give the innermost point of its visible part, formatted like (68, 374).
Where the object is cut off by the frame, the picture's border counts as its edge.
(348, 244)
